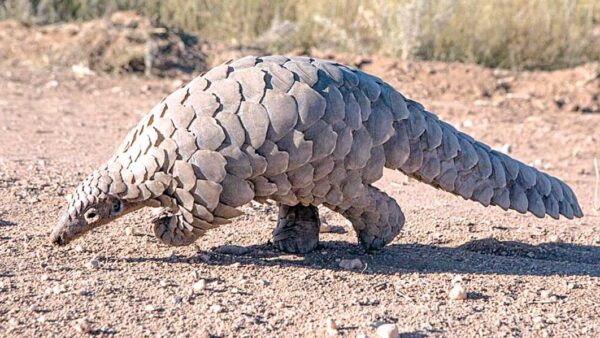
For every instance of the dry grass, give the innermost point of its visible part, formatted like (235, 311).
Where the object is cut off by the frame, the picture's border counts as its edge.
(597, 189)
(505, 33)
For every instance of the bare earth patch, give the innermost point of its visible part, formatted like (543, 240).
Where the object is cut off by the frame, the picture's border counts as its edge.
(522, 276)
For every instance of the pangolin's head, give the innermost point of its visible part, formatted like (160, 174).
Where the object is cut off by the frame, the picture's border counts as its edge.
(89, 207)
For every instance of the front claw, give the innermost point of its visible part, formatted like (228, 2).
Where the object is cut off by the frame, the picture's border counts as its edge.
(172, 229)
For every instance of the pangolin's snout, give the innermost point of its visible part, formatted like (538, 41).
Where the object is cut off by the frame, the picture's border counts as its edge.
(60, 232)
(56, 239)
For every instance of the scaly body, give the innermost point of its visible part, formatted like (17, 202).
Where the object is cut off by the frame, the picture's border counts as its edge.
(301, 132)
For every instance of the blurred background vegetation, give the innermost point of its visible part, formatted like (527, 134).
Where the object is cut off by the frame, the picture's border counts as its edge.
(518, 34)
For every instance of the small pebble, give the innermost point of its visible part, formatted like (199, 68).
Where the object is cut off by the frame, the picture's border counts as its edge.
(176, 300)
(195, 274)
(545, 293)
(235, 250)
(177, 83)
(506, 148)
(92, 264)
(457, 293)
(325, 228)
(388, 331)
(216, 308)
(128, 231)
(331, 327)
(84, 292)
(83, 326)
(52, 84)
(78, 248)
(149, 308)
(554, 238)
(351, 264)
(58, 289)
(199, 285)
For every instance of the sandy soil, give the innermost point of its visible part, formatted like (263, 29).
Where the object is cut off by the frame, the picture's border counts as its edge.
(524, 276)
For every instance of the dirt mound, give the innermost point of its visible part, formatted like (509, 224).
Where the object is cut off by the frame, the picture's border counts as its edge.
(123, 42)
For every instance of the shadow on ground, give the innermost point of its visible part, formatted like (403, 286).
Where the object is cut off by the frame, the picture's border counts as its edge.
(486, 256)
(6, 223)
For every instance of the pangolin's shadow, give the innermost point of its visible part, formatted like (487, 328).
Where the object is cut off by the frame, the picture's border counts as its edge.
(486, 256)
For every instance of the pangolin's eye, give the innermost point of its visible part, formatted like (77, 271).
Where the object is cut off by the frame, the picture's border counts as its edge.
(116, 206)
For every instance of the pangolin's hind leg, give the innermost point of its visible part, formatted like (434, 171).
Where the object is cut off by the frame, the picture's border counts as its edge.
(375, 216)
(297, 228)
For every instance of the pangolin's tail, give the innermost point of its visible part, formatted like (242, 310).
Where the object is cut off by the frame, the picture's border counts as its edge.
(434, 152)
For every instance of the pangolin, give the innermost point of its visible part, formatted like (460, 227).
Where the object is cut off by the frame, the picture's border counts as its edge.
(301, 132)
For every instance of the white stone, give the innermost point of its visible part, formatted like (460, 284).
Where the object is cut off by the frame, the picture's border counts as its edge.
(83, 326)
(388, 331)
(457, 293)
(199, 285)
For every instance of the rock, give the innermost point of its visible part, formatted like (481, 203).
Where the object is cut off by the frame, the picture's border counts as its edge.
(554, 239)
(83, 326)
(58, 289)
(351, 264)
(325, 228)
(81, 70)
(84, 292)
(52, 84)
(331, 327)
(149, 308)
(199, 285)
(128, 231)
(175, 300)
(388, 331)
(506, 148)
(235, 250)
(457, 293)
(216, 308)
(92, 264)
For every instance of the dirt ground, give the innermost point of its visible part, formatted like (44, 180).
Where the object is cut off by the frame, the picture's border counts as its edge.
(524, 276)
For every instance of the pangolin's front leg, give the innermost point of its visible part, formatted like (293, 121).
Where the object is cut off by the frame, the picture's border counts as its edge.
(297, 228)
(171, 228)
